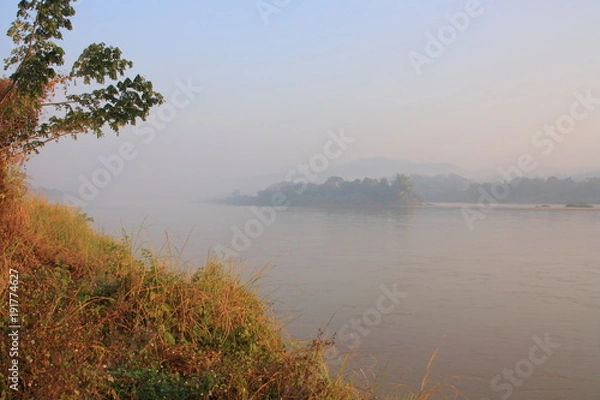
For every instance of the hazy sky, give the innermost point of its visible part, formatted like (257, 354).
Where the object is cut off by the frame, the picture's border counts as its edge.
(271, 91)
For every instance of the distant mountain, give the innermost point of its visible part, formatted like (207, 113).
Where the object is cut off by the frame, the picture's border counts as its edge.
(379, 167)
(376, 167)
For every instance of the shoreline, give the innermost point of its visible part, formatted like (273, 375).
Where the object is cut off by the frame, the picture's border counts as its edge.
(537, 207)
(540, 207)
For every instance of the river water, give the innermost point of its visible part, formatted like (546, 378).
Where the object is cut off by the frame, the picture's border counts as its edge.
(513, 303)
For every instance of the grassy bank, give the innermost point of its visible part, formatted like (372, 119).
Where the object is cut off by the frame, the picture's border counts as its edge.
(98, 323)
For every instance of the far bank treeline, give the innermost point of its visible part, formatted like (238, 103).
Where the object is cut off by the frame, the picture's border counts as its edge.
(335, 191)
(416, 189)
(552, 190)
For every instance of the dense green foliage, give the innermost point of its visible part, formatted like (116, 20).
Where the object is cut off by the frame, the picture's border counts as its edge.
(35, 67)
(335, 191)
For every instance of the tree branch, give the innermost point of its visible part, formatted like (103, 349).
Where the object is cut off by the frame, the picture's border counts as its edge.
(42, 143)
(58, 103)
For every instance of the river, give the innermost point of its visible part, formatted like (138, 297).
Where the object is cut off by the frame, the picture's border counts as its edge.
(513, 303)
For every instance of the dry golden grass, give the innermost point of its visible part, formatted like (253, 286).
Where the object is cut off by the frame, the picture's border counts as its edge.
(100, 323)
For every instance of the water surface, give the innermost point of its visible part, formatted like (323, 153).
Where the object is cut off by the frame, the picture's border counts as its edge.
(481, 294)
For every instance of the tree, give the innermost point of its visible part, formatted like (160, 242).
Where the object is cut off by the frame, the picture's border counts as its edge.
(401, 184)
(36, 84)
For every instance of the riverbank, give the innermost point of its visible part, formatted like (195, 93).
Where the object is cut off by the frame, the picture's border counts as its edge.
(106, 318)
(550, 207)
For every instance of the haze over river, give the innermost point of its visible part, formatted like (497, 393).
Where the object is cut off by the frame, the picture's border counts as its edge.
(514, 304)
